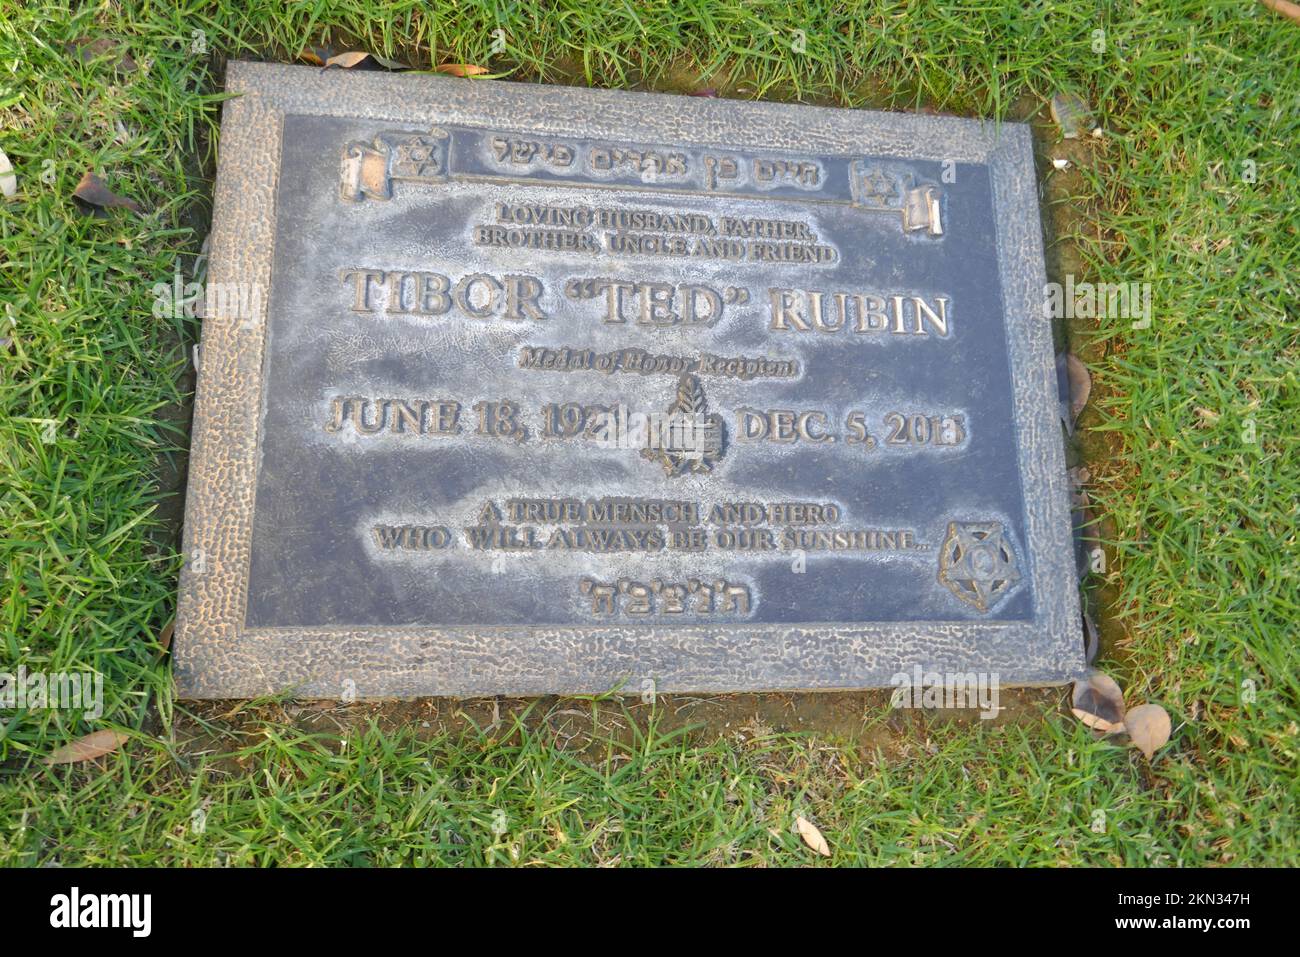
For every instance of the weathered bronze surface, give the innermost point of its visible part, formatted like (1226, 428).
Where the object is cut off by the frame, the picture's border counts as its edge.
(515, 390)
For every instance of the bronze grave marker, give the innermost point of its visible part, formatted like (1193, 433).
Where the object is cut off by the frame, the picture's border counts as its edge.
(518, 389)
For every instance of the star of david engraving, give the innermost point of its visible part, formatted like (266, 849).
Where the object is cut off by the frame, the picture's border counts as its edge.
(880, 189)
(416, 158)
(977, 563)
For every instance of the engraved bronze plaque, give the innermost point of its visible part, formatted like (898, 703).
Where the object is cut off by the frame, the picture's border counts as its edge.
(509, 389)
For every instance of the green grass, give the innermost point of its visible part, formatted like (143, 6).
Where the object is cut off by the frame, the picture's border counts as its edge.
(1191, 437)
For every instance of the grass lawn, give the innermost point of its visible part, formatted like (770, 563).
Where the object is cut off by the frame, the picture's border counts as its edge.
(1190, 438)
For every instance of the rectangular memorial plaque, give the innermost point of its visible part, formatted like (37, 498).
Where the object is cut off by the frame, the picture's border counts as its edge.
(513, 390)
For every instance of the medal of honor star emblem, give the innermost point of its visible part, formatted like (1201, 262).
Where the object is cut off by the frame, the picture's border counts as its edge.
(977, 563)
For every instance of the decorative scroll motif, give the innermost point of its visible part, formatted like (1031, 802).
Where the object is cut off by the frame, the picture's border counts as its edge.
(977, 563)
(689, 438)
(368, 169)
(879, 187)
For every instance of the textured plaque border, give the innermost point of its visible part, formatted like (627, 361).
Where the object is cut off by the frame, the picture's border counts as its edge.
(216, 656)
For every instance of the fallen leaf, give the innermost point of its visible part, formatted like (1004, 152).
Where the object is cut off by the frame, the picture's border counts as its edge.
(347, 60)
(1080, 384)
(1284, 7)
(94, 745)
(812, 836)
(461, 69)
(90, 50)
(8, 178)
(165, 639)
(316, 55)
(93, 191)
(1098, 702)
(356, 58)
(1148, 727)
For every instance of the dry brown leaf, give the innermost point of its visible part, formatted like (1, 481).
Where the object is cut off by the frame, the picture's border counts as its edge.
(1148, 727)
(812, 836)
(165, 639)
(1080, 384)
(1284, 7)
(347, 60)
(353, 58)
(462, 69)
(1098, 702)
(94, 745)
(95, 191)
